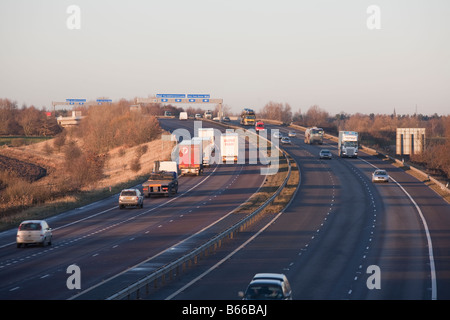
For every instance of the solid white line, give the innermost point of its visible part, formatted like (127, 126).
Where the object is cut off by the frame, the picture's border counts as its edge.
(232, 253)
(131, 218)
(427, 233)
(180, 242)
(224, 259)
(430, 245)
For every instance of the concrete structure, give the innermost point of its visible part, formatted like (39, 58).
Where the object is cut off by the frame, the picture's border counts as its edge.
(70, 121)
(410, 141)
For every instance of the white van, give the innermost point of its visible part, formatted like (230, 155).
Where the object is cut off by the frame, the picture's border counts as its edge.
(34, 232)
(183, 116)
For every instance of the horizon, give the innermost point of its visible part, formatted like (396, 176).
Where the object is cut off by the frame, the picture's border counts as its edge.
(344, 57)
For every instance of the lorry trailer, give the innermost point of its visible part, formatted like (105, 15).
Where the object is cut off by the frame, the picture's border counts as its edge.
(229, 147)
(190, 160)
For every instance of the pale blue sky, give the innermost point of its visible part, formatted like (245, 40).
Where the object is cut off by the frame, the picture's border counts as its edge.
(246, 52)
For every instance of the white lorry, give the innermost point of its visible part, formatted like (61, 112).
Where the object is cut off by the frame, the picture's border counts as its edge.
(229, 147)
(207, 136)
(348, 144)
(183, 115)
(206, 149)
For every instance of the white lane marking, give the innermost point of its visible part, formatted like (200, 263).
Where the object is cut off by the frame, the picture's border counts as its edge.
(171, 248)
(427, 232)
(224, 259)
(129, 219)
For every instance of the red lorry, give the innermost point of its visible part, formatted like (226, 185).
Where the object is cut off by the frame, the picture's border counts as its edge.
(190, 157)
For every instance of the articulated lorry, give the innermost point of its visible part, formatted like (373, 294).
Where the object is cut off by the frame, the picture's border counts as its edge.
(190, 157)
(229, 147)
(314, 135)
(248, 117)
(348, 144)
(163, 180)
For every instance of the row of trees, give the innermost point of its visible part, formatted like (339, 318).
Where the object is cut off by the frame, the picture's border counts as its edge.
(376, 130)
(28, 121)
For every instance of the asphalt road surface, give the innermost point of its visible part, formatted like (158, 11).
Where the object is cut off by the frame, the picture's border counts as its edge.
(104, 241)
(343, 237)
(337, 229)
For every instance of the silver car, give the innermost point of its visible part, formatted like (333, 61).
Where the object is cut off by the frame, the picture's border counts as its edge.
(268, 286)
(285, 140)
(34, 232)
(131, 198)
(325, 154)
(380, 176)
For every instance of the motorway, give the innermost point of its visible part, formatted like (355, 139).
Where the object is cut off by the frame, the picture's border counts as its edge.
(338, 224)
(104, 241)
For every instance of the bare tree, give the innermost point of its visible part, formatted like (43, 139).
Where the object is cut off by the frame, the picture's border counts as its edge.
(316, 116)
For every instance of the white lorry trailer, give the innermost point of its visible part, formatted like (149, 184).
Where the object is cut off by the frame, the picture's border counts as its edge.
(348, 144)
(229, 147)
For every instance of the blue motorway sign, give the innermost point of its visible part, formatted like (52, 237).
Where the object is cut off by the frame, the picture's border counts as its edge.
(170, 95)
(200, 96)
(78, 101)
(75, 100)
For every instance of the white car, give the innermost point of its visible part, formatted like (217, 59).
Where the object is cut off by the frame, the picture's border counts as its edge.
(380, 176)
(292, 134)
(34, 232)
(277, 134)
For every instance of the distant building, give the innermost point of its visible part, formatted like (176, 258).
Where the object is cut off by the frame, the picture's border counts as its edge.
(410, 141)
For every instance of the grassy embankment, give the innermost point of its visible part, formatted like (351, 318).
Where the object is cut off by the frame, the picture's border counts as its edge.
(49, 195)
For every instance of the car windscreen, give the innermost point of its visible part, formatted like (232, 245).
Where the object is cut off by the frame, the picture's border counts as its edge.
(264, 292)
(30, 226)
